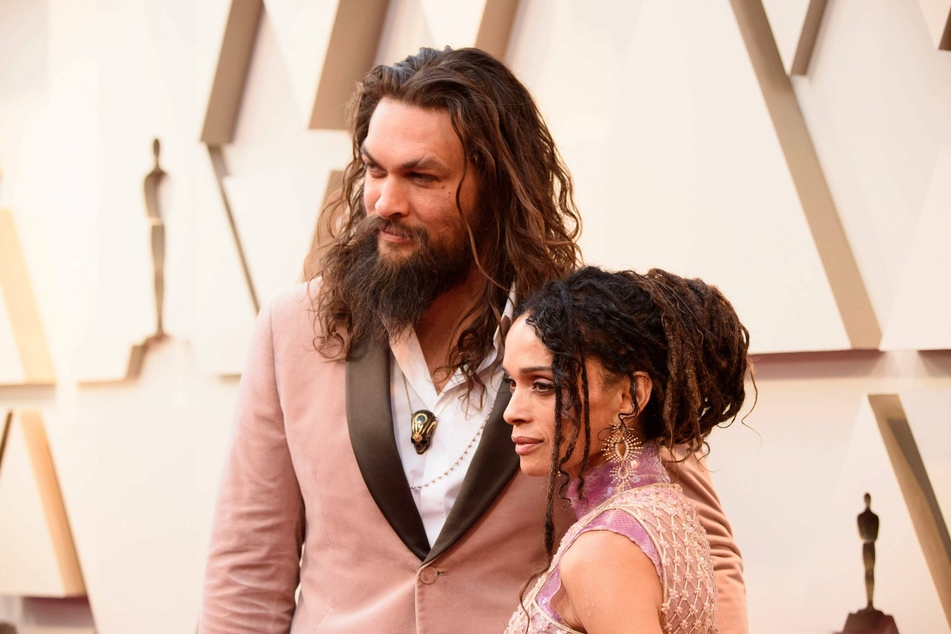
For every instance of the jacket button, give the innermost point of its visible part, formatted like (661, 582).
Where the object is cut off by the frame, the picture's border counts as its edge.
(428, 575)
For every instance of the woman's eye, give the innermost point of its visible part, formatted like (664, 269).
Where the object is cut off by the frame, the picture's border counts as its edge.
(510, 382)
(543, 386)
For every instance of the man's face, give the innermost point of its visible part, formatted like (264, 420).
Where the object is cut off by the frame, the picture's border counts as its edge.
(414, 166)
(413, 245)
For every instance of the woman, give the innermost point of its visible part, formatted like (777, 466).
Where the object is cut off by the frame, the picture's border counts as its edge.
(607, 370)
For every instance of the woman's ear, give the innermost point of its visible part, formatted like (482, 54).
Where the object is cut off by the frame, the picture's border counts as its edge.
(642, 389)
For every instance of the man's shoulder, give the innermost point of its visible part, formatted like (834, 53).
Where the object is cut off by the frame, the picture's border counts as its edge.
(290, 302)
(289, 314)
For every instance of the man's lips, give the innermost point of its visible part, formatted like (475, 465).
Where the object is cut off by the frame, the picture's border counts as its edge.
(397, 231)
(391, 234)
(524, 444)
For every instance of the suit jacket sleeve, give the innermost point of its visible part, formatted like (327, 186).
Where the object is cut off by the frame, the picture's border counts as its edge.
(694, 478)
(254, 559)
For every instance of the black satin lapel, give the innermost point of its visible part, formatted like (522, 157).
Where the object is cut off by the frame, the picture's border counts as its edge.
(370, 421)
(493, 465)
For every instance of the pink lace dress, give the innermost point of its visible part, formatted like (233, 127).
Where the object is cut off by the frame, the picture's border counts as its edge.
(657, 516)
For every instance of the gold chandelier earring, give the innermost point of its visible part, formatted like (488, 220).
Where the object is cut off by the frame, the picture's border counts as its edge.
(622, 449)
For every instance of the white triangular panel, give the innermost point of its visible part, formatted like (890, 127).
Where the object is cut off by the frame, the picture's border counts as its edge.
(937, 13)
(788, 527)
(677, 165)
(302, 31)
(140, 483)
(11, 368)
(929, 416)
(879, 127)
(786, 18)
(269, 112)
(29, 560)
(903, 584)
(276, 175)
(411, 24)
(24, 354)
(456, 23)
(101, 358)
(224, 311)
(921, 312)
(276, 215)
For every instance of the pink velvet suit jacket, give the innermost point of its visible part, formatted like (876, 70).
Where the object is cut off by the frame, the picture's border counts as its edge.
(314, 494)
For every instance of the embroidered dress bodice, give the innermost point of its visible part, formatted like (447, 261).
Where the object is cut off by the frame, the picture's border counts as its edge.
(657, 516)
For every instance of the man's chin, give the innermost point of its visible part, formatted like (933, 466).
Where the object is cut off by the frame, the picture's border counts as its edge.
(397, 251)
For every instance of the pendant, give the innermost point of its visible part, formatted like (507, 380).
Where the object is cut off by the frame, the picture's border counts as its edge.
(423, 428)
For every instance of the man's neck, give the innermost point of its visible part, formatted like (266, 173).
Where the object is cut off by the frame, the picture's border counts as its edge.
(439, 327)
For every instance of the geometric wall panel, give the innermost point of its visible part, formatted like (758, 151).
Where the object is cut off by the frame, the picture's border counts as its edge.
(140, 464)
(920, 317)
(300, 25)
(879, 126)
(807, 38)
(275, 208)
(319, 87)
(916, 487)
(24, 355)
(795, 25)
(485, 24)
(871, 465)
(11, 368)
(929, 413)
(828, 232)
(938, 18)
(327, 46)
(37, 554)
(100, 373)
(351, 46)
(672, 154)
(350, 53)
(798, 534)
(224, 309)
(237, 45)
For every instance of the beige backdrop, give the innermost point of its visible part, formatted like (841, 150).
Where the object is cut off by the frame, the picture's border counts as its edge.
(795, 152)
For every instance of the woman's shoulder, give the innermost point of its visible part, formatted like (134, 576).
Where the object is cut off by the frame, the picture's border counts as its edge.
(601, 570)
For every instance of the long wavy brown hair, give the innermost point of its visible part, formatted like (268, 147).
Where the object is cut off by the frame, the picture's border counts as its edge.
(531, 236)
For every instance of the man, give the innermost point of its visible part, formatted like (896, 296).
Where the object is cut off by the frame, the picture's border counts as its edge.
(370, 463)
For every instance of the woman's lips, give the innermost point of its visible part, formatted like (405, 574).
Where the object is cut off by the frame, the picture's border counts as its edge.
(524, 445)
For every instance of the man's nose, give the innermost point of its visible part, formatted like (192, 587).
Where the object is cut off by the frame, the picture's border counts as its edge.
(391, 199)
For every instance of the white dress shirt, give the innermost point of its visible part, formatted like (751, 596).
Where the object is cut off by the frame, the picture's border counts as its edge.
(434, 481)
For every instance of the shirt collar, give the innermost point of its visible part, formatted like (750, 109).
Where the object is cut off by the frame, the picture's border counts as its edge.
(405, 347)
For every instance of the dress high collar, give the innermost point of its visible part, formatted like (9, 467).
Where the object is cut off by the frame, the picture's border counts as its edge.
(599, 482)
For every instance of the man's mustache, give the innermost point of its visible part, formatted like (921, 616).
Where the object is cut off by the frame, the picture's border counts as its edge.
(374, 224)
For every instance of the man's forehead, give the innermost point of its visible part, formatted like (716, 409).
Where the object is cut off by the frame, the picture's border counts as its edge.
(396, 118)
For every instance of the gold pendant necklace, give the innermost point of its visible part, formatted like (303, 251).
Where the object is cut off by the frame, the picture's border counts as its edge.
(422, 425)
(452, 467)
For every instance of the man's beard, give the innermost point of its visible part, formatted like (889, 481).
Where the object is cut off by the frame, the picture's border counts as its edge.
(386, 296)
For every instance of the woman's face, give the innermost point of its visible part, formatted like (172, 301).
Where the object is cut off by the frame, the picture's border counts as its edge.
(531, 411)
